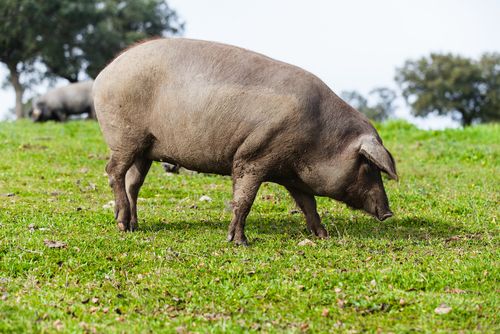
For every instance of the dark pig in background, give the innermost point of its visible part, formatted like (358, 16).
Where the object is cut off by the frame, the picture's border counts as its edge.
(170, 168)
(60, 103)
(221, 109)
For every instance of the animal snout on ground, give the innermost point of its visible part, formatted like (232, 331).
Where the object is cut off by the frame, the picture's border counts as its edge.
(384, 216)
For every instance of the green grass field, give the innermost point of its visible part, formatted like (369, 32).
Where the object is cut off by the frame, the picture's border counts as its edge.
(433, 267)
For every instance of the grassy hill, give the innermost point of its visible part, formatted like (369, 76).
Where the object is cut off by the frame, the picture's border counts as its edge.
(64, 266)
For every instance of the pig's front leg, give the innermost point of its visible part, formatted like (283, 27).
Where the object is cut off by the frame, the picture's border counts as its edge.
(133, 182)
(307, 203)
(245, 189)
(61, 115)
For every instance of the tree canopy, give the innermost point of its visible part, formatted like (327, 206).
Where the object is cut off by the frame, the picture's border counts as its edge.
(74, 39)
(467, 89)
(381, 110)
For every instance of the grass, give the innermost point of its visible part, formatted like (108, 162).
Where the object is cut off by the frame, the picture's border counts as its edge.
(177, 273)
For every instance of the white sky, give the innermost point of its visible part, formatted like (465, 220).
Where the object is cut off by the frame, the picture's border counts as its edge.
(355, 44)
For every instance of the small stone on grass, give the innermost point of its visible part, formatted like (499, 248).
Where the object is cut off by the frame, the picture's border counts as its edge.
(205, 198)
(307, 242)
(442, 309)
(109, 205)
(54, 244)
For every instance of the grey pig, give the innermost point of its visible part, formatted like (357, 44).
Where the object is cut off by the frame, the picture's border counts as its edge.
(221, 109)
(60, 103)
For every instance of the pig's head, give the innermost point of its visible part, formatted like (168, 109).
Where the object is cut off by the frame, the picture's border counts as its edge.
(353, 176)
(363, 185)
(40, 112)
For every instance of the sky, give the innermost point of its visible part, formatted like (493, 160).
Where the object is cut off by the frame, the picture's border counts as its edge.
(350, 45)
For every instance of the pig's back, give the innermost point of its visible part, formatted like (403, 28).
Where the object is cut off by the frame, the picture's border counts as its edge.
(201, 100)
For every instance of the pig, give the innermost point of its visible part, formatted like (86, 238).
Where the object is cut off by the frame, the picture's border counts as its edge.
(216, 108)
(60, 103)
(170, 168)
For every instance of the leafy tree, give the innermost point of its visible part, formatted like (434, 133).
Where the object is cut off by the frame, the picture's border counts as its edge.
(380, 111)
(71, 39)
(385, 98)
(18, 43)
(355, 99)
(107, 27)
(467, 89)
(490, 71)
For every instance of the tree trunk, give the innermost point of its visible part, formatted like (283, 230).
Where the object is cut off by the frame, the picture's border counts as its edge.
(467, 117)
(466, 120)
(14, 79)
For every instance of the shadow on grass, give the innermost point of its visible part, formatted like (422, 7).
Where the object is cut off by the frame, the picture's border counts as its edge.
(407, 228)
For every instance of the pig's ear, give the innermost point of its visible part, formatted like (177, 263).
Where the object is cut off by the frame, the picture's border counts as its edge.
(376, 153)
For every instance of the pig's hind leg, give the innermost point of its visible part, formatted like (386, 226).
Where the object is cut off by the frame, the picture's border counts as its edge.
(133, 181)
(307, 203)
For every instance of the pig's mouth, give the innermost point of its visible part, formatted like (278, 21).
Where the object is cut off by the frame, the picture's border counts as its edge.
(382, 215)
(378, 213)
(376, 210)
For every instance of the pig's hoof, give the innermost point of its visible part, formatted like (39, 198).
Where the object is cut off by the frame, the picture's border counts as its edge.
(122, 226)
(320, 232)
(238, 237)
(242, 242)
(237, 241)
(133, 226)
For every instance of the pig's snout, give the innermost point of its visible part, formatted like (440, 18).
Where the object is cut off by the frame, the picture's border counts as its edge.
(36, 113)
(382, 211)
(384, 216)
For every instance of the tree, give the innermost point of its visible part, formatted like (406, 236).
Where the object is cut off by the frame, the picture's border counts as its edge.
(69, 38)
(18, 44)
(380, 111)
(469, 90)
(87, 45)
(490, 71)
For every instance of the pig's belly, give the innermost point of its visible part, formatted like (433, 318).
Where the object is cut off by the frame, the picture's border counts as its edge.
(196, 147)
(194, 156)
(202, 132)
